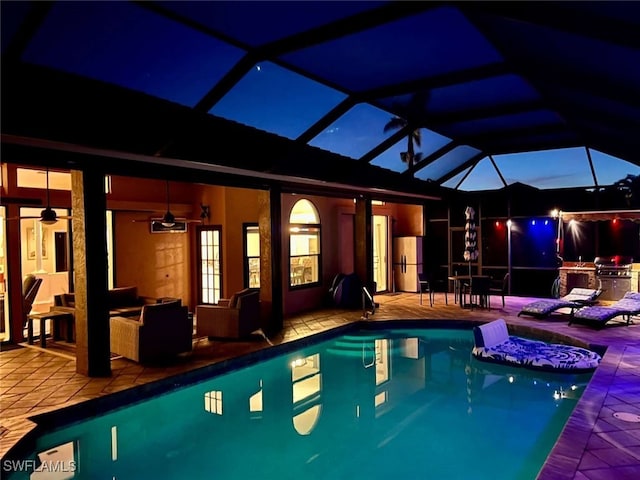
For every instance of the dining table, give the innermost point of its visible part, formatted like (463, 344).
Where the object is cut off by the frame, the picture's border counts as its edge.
(458, 282)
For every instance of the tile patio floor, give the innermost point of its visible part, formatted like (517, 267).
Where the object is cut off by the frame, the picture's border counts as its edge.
(594, 445)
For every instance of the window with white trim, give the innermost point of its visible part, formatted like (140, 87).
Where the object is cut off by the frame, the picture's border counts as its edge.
(304, 245)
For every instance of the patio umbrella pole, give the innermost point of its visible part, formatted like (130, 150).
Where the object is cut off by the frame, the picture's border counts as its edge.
(470, 242)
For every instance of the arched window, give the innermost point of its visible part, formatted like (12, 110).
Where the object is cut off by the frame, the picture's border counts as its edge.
(304, 245)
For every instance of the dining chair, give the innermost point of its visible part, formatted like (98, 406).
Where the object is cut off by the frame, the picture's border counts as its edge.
(500, 289)
(478, 291)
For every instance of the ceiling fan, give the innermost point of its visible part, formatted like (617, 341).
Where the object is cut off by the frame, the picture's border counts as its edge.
(169, 220)
(48, 216)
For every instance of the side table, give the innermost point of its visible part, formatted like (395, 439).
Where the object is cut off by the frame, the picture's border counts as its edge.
(55, 317)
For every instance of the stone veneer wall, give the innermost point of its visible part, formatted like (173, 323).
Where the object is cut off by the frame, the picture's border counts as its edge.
(566, 272)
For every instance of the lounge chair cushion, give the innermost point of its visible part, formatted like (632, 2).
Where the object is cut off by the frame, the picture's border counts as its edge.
(532, 354)
(574, 299)
(599, 315)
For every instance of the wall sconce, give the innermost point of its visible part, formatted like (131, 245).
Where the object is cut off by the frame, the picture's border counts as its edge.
(204, 212)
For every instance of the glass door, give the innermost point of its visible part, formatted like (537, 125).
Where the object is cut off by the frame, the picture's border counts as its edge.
(380, 249)
(210, 271)
(4, 307)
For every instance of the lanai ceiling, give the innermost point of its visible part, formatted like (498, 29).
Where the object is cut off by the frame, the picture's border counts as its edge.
(305, 89)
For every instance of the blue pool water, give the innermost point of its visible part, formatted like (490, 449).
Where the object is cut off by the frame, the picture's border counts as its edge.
(408, 403)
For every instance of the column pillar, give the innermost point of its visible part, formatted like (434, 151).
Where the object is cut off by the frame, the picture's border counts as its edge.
(270, 227)
(364, 241)
(89, 236)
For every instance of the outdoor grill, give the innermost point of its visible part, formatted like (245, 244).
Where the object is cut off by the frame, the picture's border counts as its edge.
(614, 274)
(617, 266)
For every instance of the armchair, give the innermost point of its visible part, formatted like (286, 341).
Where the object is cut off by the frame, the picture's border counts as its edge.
(163, 330)
(236, 317)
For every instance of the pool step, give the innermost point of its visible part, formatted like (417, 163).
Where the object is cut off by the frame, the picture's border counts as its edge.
(361, 346)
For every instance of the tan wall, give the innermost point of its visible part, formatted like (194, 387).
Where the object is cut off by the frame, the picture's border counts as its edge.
(240, 207)
(157, 263)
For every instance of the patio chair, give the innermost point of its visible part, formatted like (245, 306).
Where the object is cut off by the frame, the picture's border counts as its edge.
(597, 316)
(162, 331)
(575, 299)
(500, 289)
(236, 317)
(30, 287)
(478, 290)
(427, 283)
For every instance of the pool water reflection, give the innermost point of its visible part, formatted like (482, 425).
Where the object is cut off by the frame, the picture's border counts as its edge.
(371, 404)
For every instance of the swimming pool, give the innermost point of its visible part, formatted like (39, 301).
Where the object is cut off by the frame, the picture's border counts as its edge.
(368, 404)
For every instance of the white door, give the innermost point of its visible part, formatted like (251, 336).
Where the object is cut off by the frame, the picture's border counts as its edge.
(380, 252)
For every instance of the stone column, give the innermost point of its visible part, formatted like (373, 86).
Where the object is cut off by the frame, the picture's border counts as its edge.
(364, 241)
(270, 226)
(89, 236)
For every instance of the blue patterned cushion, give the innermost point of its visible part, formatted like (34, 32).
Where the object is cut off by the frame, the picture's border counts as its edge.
(634, 296)
(585, 294)
(535, 354)
(542, 307)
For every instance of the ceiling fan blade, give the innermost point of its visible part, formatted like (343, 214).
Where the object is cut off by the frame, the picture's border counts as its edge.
(23, 218)
(160, 219)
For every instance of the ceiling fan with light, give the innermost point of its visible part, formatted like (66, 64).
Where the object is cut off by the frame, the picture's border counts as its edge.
(169, 220)
(48, 216)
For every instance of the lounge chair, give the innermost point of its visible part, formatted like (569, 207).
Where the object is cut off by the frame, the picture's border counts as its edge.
(575, 299)
(597, 316)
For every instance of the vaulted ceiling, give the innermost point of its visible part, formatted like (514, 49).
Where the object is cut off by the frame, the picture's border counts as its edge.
(269, 91)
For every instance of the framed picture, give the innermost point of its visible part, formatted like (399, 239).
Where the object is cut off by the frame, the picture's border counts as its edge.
(31, 243)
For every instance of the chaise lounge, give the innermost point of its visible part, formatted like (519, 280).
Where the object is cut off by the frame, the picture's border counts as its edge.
(597, 316)
(576, 298)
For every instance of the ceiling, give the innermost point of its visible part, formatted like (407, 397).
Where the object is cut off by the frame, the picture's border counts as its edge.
(270, 91)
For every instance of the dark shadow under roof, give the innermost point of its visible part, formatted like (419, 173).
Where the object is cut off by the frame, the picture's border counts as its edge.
(306, 88)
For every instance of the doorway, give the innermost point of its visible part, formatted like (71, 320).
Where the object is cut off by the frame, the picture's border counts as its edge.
(209, 268)
(380, 252)
(4, 311)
